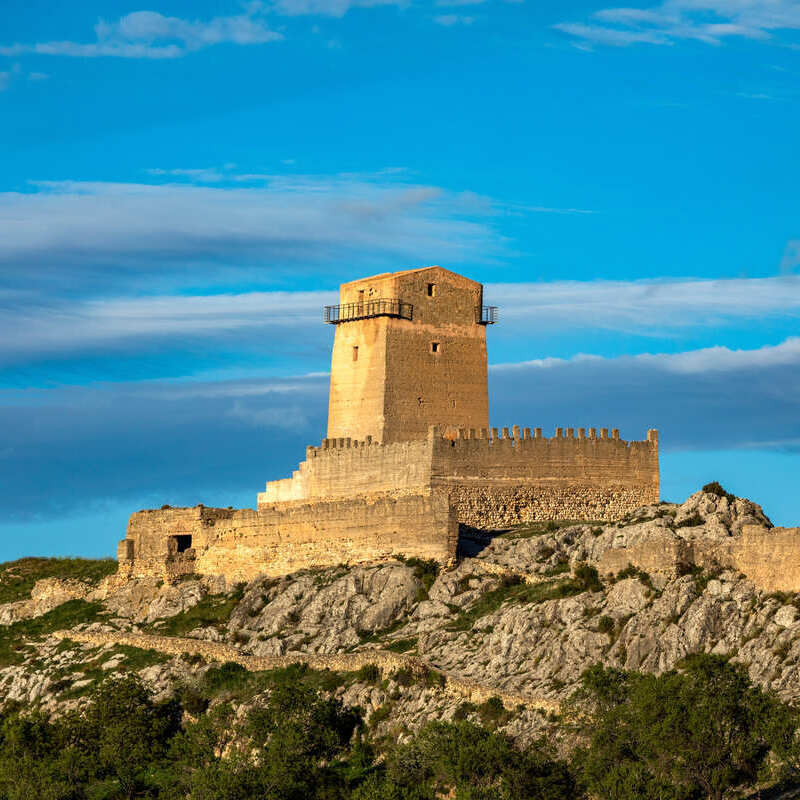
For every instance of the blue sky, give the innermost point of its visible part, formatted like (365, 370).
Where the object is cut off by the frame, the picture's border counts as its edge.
(184, 185)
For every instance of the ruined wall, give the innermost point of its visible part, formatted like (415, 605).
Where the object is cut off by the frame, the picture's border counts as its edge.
(392, 378)
(245, 543)
(770, 557)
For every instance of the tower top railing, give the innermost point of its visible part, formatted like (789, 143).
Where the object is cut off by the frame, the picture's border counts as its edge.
(487, 315)
(382, 307)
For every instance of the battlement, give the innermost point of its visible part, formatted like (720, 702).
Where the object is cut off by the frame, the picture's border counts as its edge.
(486, 460)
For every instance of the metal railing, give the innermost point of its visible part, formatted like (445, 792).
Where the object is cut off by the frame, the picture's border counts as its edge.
(383, 307)
(487, 315)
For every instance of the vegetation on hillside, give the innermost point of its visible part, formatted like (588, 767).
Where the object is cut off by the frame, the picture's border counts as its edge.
(703, 731)
(18, 577)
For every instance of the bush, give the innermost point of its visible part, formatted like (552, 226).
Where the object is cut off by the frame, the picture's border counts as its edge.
(588, 578)
(700, 731)
(369, 673)
(716, 488)
(605, 625)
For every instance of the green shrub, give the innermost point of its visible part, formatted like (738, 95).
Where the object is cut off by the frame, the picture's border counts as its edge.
(715, 488)
(605, 625)
(588, 579)
(369, 673)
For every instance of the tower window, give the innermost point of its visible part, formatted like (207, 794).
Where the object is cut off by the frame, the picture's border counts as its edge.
(355, 353)
(360, 295)
(431, 290)
(434, 347)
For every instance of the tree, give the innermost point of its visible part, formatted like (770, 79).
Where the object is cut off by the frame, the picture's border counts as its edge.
(697, 731)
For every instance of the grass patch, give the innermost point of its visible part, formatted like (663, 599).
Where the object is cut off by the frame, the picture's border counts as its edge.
(514, 589)
(214, 610)
(233, 679)
(374, 637)
(74, 612)
(137, 658)
(526, 530)
(18, 577)
(401, 645)
(690, 522)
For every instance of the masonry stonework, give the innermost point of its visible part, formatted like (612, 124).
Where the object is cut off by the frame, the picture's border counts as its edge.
(409, 453)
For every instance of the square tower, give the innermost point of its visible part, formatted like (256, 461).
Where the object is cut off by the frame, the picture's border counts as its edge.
(409, 352)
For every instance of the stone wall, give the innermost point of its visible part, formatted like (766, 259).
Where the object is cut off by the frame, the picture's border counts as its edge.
(769, 557)
(386, 661)
(492, 506)
(344, 468)
(242, 544)
(493, 479)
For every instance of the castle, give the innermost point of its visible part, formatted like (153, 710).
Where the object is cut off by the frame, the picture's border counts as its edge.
(409, 454)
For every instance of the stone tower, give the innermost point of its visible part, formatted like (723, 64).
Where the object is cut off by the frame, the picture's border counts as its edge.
(409, 352)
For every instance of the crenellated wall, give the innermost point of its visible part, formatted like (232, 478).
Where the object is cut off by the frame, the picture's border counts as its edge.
(344, 468)
(493, 478)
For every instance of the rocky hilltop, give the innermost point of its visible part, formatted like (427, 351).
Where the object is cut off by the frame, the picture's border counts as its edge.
(520, 617)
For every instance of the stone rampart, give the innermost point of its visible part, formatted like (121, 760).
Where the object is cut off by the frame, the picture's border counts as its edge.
(493, 479)
(345, 467)
(769, 557)
(386, 661)
(242, 544)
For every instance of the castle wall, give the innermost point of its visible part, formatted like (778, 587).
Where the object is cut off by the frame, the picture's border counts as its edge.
(243, 544)
(347, 468)
(492, 482)
(769, 557)
(500, 481)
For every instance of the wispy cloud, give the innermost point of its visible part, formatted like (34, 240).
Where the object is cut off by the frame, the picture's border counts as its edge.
(149, 34)
(66, 229)
(449, 20)
(791, 257)
(709, 21)
(327, 8)
(290, 320)
(650, 307)
(75, 446)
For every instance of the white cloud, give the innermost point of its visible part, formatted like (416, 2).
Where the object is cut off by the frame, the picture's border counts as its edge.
(709, 21)
(449, 20)
(327, 8)
(791, 257)
(691, 362)
(70, 228)
(650, 307)
(148, 34)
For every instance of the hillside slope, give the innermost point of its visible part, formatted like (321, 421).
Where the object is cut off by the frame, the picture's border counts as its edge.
(521, 616)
